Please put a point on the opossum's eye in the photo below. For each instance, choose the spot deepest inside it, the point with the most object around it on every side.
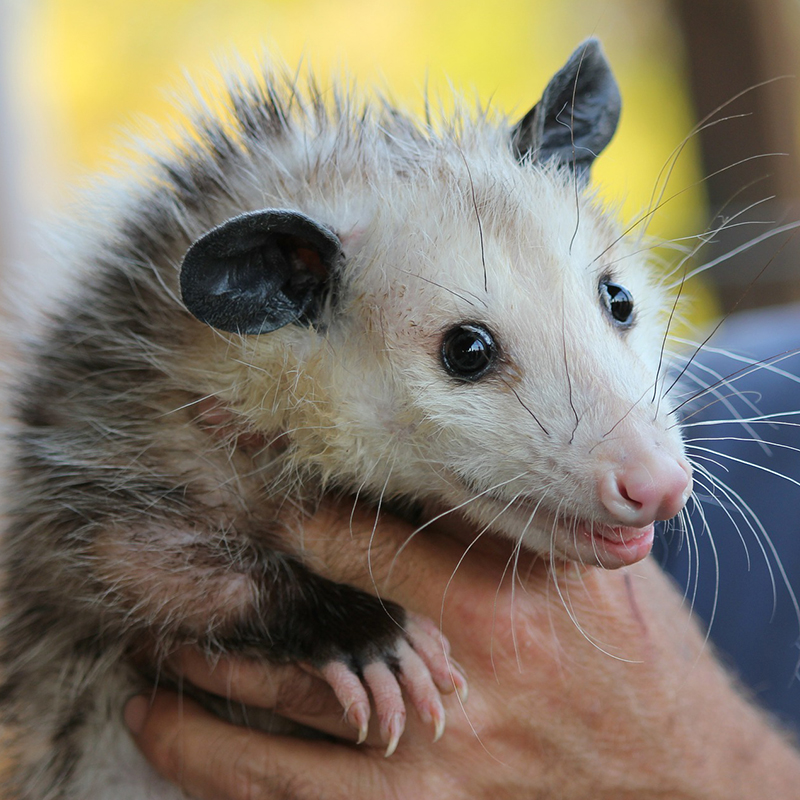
(618, 302)
(468, 351)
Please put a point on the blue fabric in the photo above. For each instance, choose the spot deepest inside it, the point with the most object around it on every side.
(755, 629)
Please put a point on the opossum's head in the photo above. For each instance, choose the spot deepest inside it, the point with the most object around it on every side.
(483, 336)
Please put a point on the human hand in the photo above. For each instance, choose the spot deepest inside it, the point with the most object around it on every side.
(583, 683)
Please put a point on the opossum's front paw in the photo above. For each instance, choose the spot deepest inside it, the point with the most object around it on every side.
(415, 663)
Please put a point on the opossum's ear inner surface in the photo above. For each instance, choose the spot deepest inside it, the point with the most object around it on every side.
(577, 115)
(260, 271)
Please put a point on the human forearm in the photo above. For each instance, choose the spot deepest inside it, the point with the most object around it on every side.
(582, 684)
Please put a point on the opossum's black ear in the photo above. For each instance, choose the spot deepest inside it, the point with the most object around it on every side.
(577, 115)
(260, 271)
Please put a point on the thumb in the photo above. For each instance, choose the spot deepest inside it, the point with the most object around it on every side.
(213, 760)
(412, 565)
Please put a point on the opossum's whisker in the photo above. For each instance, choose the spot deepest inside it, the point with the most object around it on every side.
(672, 197)
(762, 538)
(684, 531)
(447, 511)
(460, 561)
(693, 547)
(719, 384)
(478, 218)
(701, 125)
(566, 365)
(707, 530)
(748, 369)
(751, 520)
(764, 419)
(622, 418)
(744, 461)
(355, 506)
(671, 163)
(683, 422)
(571, 128)
(535, 418)
(569, 608)
(565, 599)
(750, 515)
(594, 541)
(726, 224)
(778, 445)
(733, 308)
(751, 365)
(706, 459)
(742, 248)
(683, 266)
(666, 335)
(494, 615)
(500, 582)
(522, 582)
(675, 244)
(445, 288)
(713, 486)
(370, 568)
(725, 400)
(515, 554)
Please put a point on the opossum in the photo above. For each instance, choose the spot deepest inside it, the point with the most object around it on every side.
(305, 297)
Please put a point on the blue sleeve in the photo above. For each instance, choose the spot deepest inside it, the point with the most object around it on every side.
(737, 568)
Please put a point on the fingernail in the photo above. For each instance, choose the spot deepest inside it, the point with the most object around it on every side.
(135, 713)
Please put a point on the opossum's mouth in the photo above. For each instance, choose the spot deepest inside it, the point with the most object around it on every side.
(614, 546)
(608, 546)
(591, 542)
(552, 533)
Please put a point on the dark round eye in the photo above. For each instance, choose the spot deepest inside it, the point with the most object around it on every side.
(618, 302)
(468, 351)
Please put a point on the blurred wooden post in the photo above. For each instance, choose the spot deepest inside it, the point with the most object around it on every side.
(732, 45)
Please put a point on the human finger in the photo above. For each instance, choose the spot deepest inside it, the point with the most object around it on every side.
(213, 760)
(287, 689)
(415, 566)
(309, 697)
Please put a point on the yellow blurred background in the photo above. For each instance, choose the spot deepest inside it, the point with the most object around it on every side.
(84, 71)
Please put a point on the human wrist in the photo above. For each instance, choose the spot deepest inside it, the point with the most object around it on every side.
(746, 753)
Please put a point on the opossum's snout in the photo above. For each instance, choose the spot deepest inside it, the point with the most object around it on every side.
(646, 489)
(636, 493)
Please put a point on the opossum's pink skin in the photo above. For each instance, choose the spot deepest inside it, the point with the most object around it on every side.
(617, 547)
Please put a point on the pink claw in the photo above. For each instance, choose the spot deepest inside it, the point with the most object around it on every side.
(420, 672)
(352, 695)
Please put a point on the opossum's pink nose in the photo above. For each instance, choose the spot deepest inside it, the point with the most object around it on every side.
(646, 490)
